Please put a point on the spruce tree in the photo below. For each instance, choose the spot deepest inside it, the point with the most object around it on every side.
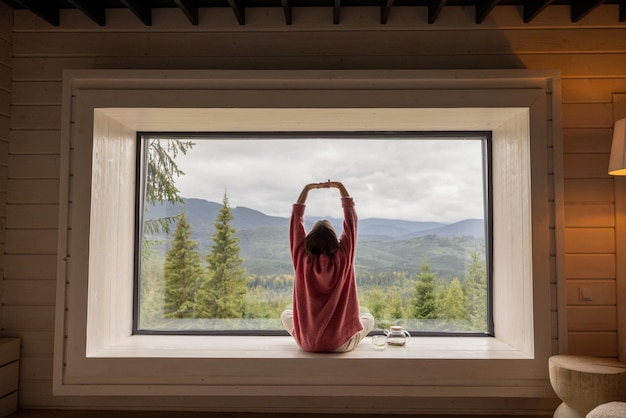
(475, 285)
(183, 271)
(425, 297)
(453, 302)
(223, 292)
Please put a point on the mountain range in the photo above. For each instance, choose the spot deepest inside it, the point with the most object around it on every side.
(383, 244)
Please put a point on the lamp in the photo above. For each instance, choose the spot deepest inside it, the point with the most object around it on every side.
(617, 163)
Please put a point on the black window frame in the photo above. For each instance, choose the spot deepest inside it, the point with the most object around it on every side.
(484, 136)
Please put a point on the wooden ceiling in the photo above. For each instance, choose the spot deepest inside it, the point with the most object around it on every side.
(95, 9)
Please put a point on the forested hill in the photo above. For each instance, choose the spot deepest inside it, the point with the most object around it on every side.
(201, 214)
(384, 244)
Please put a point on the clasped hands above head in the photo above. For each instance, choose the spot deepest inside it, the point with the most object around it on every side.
(323, 185)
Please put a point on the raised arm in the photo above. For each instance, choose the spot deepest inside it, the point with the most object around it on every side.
(350, 220)
(305, 191)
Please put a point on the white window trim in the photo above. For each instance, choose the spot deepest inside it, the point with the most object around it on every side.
(95, 352)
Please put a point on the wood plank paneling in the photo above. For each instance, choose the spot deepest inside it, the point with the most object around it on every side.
(579, 65)
(589, 90)
(587, 115)
(34, 166)
(6, 51)
(30, 318)
(583, 190)
(589, 240)
(601, 344)
(32, 216)
(4, 125)
(587, 140)
(590, 266)
(3, 184)
(363, 42)
(6, 75)
(6, 25)
(35, 142)
(29, 292)
(34, 343)
(28, 68)
(31, 241)
(40, 92)
(585, 165)
(592, 318)
(36, 117)
(36, 368)
(4, 155)
(31, 266)
(28, 191)
(589, 215)
(5, 102)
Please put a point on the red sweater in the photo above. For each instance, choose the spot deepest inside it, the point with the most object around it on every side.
(325, 301)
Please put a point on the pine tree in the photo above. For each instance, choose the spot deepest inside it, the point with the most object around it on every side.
(453, 302)
(223, 292)
(425, 297)
(375, 302)
(183, 271)
(161, 171)
(475, 284)
(396, 310)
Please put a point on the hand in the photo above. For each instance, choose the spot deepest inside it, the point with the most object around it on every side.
(339, 186)
(325, 185)
(305, 191)
(312, 186)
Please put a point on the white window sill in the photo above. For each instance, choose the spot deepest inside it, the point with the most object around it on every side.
(151, 346)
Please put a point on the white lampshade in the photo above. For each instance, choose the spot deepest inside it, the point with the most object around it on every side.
(617, 163)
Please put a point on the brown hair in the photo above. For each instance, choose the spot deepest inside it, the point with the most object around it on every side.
(322, 239)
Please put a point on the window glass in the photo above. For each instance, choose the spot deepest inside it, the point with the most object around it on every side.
(213, 243)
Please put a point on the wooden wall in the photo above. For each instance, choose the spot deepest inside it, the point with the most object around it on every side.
(591, 55)
(6, 49)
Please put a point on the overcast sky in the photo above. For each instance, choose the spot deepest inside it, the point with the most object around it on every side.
(410, 179)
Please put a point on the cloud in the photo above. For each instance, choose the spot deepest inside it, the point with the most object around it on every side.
(405, 178)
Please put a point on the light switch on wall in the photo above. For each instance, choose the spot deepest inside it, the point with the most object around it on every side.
(586, 294)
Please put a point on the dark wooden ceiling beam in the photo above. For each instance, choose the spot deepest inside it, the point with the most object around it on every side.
(287, 12)
(533, 7)
(190, 9)
(434, 8)
(580, 8)
(385, 9)
(93, 10)
(43, 9)
(483, 8)
(141, 9)
(239, 10)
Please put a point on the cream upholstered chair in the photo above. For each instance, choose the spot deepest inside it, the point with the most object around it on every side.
(584, 382)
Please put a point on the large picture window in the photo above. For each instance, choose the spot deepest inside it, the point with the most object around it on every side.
(213, 210)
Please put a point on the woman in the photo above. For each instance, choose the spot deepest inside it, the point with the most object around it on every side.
(326, 314)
